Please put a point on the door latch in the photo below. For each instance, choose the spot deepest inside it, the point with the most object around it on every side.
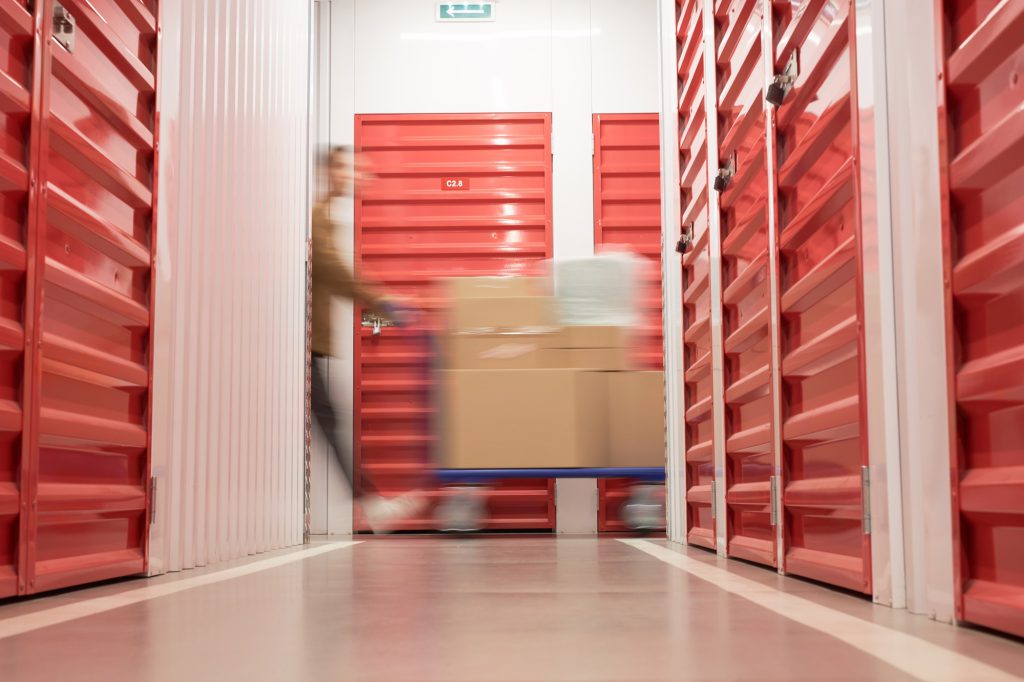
(725, 174)
(63, 27)
(782, 83)
(865, 491)
(685, 242)
(375, 322)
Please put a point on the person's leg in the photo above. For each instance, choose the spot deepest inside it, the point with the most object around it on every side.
(327, 418)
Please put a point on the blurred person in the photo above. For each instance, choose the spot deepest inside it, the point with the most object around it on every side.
(332, 278)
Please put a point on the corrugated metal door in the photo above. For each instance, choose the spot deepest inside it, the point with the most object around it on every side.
(983, 109)
(18, 80)
(78, 161)
(627, 214)
(693, 185)
(418, 223)
(90, 365)
(822, 345)
(746, 302)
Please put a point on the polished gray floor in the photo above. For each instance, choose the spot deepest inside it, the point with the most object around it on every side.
(511, 608)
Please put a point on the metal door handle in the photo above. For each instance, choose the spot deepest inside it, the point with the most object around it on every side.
(63, 27)
(375, 322)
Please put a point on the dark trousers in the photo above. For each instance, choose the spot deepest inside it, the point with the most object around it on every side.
(327, 419)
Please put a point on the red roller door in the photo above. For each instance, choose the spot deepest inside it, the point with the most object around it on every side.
(627, 214)
(18, 81)
(983, 231)
(77, 290)
(412, 227)
(93, 274)
(746, 294)
(822, 345)
(699, 421)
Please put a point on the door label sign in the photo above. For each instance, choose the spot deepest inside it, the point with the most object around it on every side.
(454, 184)
(465, 11)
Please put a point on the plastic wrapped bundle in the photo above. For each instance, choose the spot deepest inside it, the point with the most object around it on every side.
(600, 290)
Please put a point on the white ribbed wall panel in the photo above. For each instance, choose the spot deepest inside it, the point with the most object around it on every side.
(230, 296)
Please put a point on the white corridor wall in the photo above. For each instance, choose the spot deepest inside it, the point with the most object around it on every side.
(233, 202)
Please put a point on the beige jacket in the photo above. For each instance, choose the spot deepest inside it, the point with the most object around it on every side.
(332, 278)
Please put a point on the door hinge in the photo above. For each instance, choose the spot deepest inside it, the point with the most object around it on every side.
(593, 145)
(865, 491)
(63, 27)
(152, 500)
(773, 500)
(714, 499)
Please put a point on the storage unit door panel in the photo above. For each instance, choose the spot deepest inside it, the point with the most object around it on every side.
(984, 239)
(693, 155)
(746, 304)
(627, 215)
(17, 77)
(410, 230)
(823, 411)
(92, 352)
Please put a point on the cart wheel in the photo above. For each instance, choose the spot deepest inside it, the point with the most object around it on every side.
(645, 510)
(462, 510)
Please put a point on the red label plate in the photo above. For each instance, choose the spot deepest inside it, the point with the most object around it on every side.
(454, 184)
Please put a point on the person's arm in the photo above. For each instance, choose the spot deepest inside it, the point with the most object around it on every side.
(330, 268)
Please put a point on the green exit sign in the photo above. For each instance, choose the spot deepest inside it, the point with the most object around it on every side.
(465, 11)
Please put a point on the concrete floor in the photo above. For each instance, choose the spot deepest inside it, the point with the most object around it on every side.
(512, 608)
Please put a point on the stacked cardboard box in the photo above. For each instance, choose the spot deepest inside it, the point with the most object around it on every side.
(521, 392)
(592, 347)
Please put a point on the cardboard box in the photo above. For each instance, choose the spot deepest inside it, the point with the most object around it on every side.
(521, 312)
(594, 337)
(527, 418)
(496, 287)
(636, 419)
(496, 351)
(607, 359)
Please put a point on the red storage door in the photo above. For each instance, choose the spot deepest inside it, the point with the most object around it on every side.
(823, 408)
(746, 294)
(698, 419)
(984, 243)
(454, 195)
(16, 86)
(627, 214)
(90, 367)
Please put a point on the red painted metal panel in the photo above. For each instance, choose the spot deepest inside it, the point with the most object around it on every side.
(18, 82)
(820, 289)
(88, 365)
(982, 131)
(409, 231)
(693, 186)
(746, 300)
(627, 215)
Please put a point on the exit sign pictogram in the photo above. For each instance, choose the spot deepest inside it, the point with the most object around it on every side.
(465, 11)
